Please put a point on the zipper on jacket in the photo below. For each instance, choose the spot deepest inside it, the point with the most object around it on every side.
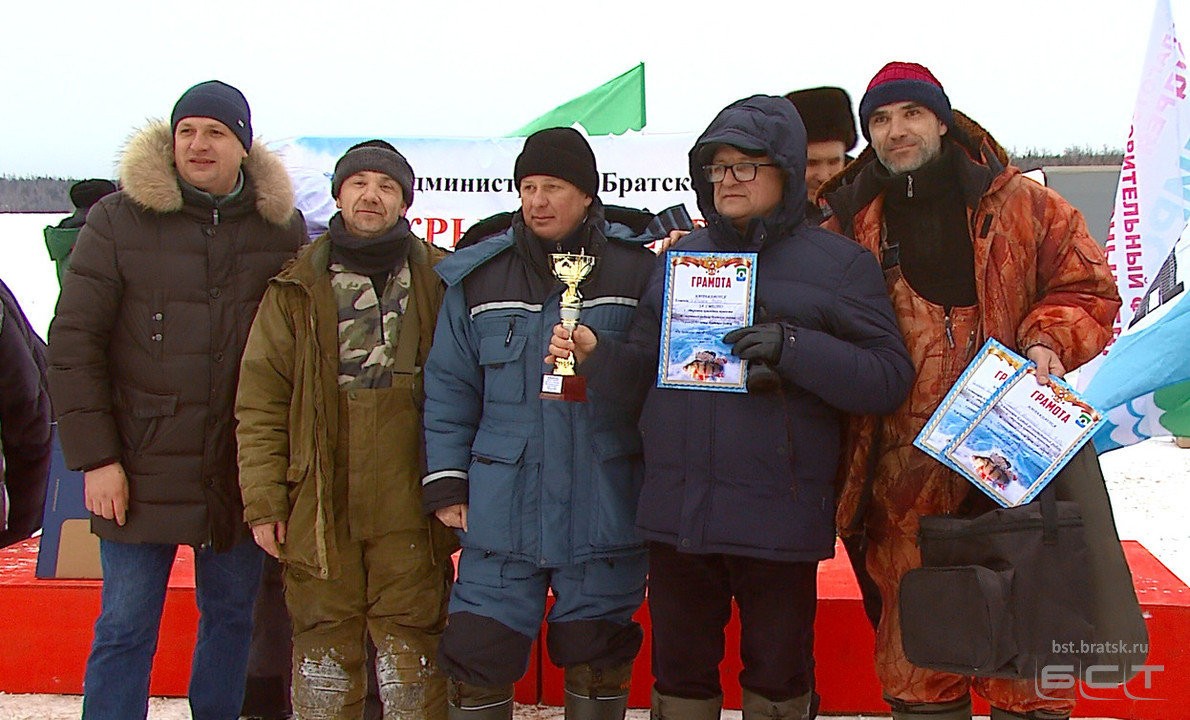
(949, 328)
(508, 337)
(215, 215)
(909, 186)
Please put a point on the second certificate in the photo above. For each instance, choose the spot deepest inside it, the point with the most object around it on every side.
(707, 295)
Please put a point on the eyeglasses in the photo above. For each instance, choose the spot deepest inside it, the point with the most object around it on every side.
(742, 171)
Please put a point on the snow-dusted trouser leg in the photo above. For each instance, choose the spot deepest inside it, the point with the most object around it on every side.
(411, 686)
(390, 588)
(324, 686)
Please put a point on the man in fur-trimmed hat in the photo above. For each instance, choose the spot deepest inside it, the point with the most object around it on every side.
(971, 250)
(543, 490)
(331, 448)
(830, 136)
(144, 354)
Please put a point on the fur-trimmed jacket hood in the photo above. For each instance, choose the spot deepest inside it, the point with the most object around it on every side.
(145, 346)
(148, 176)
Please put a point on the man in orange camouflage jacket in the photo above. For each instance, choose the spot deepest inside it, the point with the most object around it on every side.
(971, 249)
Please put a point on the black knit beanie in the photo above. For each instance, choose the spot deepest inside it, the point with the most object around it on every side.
(562, 153)
(905, 82)
(377, 156)
(218, 100)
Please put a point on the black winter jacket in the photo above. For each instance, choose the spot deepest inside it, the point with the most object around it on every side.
(24, 423)
(146, 342)
(752, 474)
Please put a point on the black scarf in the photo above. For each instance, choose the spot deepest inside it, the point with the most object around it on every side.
(378, 256)
(926, 216)
(586, 237)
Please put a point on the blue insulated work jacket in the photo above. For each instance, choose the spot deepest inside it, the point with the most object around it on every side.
(547, 481)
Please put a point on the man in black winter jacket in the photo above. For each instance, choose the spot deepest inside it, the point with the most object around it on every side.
(143, 362)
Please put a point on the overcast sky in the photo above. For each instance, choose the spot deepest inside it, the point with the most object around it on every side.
(76, 76)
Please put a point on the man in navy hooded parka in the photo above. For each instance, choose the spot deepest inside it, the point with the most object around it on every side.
(738, 498)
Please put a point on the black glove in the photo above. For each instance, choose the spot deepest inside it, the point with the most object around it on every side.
(758, 342)
(762, 378)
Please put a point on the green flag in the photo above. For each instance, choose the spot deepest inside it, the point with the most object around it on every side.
(1175, 401)
(613, 107)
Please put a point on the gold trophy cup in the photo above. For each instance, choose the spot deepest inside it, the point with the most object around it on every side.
(570, 269)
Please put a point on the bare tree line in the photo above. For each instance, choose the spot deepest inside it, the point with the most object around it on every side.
(35, 194)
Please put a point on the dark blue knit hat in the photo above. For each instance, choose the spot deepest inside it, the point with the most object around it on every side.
(218, 100)
(904, 82)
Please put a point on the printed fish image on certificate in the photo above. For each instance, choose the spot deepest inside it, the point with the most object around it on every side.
(992, 366)
(707, 295)
(1022, 437)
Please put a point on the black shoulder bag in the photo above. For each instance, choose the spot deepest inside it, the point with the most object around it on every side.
(1002, 594)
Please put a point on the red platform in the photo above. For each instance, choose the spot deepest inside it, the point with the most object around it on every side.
(46, 635)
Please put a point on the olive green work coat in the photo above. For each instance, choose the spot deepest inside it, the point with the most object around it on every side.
(288, 407)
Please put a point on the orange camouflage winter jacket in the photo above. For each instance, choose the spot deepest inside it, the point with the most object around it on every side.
(1039, 275)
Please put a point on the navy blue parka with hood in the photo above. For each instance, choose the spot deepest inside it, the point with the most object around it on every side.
(752, 474)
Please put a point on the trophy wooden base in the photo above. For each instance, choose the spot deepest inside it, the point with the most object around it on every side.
(571, 388)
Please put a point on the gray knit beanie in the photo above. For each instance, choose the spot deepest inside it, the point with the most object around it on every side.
(377, 156)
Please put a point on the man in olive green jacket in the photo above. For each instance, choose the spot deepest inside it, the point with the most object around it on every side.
(331, 449)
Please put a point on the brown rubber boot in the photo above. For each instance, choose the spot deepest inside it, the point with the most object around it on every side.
(668, 707)
(476, 702)
(756, 707)
(595, 694)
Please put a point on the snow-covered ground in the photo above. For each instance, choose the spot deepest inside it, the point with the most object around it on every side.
(1149, 483)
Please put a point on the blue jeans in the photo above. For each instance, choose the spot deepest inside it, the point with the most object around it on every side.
(135, 576)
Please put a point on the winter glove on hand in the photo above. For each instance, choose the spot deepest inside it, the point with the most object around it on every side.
(758, 342)
(762, 378)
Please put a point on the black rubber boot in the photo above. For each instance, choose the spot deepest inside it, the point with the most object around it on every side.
(474, 702)
(954, 710)
(757, 707)
(668, 707)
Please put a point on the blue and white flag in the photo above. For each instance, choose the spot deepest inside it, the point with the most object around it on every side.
(1150, 349)
(1144, 377)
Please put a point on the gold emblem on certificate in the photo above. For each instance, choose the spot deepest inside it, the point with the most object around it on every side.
(570, 269)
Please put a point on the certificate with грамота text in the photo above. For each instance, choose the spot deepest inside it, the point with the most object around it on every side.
(707, 295)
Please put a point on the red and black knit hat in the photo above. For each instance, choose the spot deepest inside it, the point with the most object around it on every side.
(904, 82)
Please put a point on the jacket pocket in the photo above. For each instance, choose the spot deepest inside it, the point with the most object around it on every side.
(958, 618)
(482, 569)
(619, 476)
(140, 416)
(504, 373)
(495, 492)
(619, 577)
